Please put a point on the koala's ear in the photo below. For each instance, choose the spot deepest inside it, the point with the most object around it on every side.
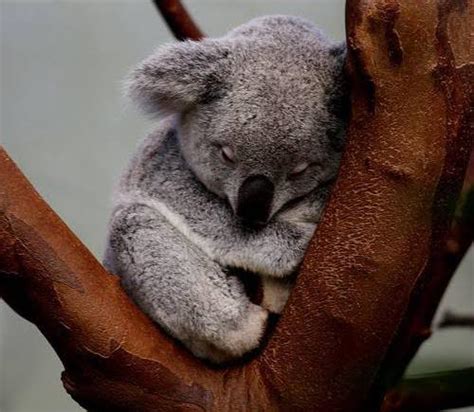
(179, 75)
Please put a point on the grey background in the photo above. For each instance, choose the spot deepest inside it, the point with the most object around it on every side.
(64, 121)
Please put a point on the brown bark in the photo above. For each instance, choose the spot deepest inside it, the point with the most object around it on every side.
(178, 19)
(454, 76)
(411, 130)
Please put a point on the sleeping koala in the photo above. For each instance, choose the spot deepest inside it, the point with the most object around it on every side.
(235, 176)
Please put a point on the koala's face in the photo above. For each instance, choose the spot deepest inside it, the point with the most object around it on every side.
(260, 122)
(266, 143)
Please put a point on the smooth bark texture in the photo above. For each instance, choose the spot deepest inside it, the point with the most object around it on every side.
(411, 67)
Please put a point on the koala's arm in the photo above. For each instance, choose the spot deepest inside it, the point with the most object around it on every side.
(275, 254)
(275, 251)
(181, 288)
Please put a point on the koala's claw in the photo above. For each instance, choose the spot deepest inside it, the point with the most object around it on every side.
(236, 342)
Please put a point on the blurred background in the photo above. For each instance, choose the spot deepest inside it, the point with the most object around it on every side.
(64, 122)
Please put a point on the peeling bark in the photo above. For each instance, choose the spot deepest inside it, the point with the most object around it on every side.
(365, 272)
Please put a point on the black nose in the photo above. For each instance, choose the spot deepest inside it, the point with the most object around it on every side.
(255, 200)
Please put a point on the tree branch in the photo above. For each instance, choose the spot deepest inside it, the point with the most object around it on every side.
(178, 19)
(456, 320)
(461, 234)
(432, 393)
(400, 170)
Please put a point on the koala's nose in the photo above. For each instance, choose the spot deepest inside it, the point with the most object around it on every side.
(255, 200)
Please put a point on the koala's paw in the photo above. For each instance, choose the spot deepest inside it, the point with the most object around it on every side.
(249, 334)
(234, 343)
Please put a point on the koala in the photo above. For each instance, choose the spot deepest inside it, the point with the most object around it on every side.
(248, 142)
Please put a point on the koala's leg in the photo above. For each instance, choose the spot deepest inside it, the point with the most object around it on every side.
(181, 288)
(275, 293)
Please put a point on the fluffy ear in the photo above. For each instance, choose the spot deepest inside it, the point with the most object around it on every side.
(179, 75)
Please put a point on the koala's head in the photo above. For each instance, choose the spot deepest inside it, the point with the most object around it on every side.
(261, 110)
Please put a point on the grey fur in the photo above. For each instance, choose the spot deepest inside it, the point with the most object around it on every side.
(272, 91)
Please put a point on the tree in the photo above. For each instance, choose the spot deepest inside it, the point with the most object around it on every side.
(373, 274)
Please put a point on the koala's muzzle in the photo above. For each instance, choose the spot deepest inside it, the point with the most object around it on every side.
(255, 200)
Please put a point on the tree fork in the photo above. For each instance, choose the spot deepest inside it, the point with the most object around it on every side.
(364, 269)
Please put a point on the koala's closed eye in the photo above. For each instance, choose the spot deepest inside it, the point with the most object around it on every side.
(300, 169)
(226, 153)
